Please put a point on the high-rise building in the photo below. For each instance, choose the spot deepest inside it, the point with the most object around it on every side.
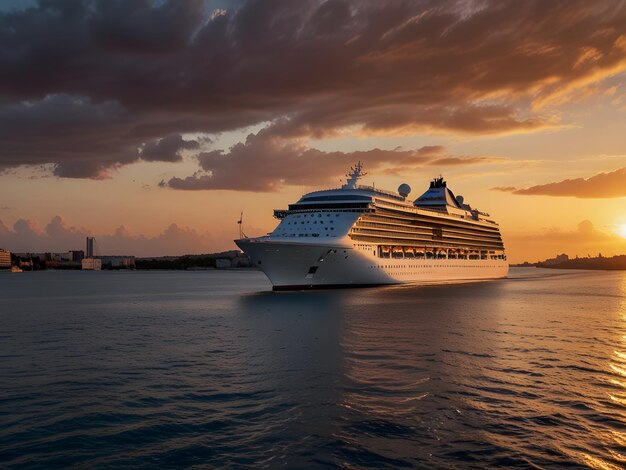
(89, 253)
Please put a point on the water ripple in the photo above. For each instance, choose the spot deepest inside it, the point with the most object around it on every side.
(178, 370)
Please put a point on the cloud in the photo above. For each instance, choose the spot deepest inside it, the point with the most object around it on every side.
(455, 161)
(86, 85)
(600, 186)
(82, 138)
(267, 163)
(58, 236)
(167, 149)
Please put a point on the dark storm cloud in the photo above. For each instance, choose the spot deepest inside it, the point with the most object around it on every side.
(294, 163)
(602, 185)
(87, 84)
(83, 138)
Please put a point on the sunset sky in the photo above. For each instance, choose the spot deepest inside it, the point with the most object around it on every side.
(153, 124)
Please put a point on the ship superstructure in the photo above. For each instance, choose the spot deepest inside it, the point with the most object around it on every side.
(362, 236)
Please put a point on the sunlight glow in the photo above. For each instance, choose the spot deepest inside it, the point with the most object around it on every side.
(622, 230)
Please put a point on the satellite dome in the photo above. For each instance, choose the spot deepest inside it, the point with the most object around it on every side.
(460, 199)
(404, 190)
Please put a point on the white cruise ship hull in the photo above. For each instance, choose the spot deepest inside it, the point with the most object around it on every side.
(303, 265)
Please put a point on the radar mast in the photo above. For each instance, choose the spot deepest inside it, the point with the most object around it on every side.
(356, 173)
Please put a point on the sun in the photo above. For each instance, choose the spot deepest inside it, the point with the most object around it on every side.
(622, 230)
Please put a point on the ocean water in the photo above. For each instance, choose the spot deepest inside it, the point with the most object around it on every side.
(213, 370)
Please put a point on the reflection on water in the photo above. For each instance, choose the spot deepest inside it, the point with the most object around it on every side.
(184, 369)
(615, 440)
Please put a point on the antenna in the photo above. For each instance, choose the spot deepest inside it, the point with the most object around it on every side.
(240, 222)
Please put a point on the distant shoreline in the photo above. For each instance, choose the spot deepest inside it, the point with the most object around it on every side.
(227, 260)
(598, 263)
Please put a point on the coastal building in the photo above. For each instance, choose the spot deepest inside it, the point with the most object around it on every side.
(90, 241)
(5, 259)
(77, 255)
(62, 257)
(49, 260)
(26, 264)
(91, 264)
(118, 262)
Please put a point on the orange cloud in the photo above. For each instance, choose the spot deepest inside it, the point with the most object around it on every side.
(267, 163)
(602, 185)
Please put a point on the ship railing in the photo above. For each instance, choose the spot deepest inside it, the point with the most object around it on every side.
(422, 241)
(364, 225)
(417, 210)
(381, 191)
(368, 188)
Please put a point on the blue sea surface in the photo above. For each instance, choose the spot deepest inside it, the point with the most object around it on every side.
(210, 369)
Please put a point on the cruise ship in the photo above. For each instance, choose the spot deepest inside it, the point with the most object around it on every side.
(360, 235)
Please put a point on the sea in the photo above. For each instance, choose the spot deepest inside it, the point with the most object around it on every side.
(211, 369)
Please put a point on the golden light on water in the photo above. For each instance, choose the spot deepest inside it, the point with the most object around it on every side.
(597, 463)
(619, 370)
